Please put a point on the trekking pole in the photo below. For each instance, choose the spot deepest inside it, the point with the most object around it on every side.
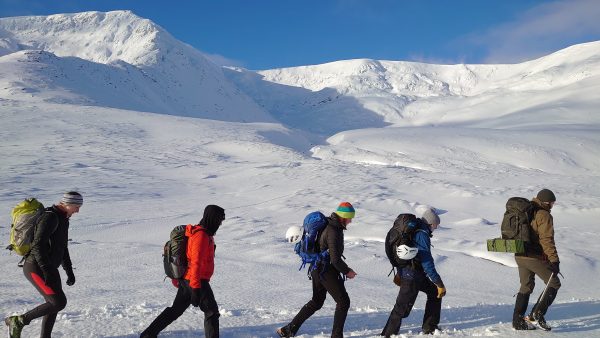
(543, 293)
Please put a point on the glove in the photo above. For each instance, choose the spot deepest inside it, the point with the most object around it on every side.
(441, 289)
(175, 282)
(70, 276)
(555, 267)
(397, 279)
(196, 297)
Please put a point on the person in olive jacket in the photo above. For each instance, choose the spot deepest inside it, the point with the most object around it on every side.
(541, 259)
(328, 278)
(194, 288)
(48, 251)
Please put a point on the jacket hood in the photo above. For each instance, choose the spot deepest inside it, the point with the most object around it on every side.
(424, 226)
(212, 218)
(334, 220)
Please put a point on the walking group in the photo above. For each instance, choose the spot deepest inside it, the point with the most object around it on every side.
(407, 246)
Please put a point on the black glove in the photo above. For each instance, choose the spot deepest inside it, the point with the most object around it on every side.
(555, 267)
(70, 276)
(196, 297)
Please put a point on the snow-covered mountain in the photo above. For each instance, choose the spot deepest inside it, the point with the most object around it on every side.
(75, 95)
(371, 93)
(120, 60)
(115, 59)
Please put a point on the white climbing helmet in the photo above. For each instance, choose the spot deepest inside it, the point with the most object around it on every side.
(294, 234)
(406, 252)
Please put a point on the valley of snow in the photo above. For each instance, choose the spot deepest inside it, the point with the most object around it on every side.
(149, 131)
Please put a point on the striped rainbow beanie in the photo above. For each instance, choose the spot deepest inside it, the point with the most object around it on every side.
(345, 210)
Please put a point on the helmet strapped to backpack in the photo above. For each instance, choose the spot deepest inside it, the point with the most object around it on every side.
(308, 247)
(400, 247)
(406, 252)
(294, 234)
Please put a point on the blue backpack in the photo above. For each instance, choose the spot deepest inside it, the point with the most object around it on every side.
(308, 248)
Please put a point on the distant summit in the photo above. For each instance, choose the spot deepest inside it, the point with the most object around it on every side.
(118, 59)
(371, 93)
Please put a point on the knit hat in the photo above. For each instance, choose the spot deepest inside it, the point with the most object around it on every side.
(546, 195)
(345, 210)
(430, 217)
(72, 197)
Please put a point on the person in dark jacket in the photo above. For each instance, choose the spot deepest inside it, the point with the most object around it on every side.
(49, 250)
(422, 276)
(541, 259)
(194, 288)
(328, 278)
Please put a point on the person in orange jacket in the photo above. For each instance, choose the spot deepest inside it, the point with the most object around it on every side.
(194, 288)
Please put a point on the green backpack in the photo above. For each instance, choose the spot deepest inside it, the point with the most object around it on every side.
(515, 227)
(25, 217)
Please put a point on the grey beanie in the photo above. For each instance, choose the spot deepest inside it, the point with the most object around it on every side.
(72, 197)
(430, 217)
(546, 195)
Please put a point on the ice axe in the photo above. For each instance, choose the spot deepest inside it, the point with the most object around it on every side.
(543, 293)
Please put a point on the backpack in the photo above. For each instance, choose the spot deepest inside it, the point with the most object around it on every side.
(402, 233)
(308, 247)
(175, 253)
(25, 216)
(516, 223)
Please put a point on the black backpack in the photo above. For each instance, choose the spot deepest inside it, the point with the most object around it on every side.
(402, 232)
(175, 253)
(516, 223)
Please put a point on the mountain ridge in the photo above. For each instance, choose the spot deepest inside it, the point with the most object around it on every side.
(140, 66)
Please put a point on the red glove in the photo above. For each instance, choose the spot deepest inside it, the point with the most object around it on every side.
(175, 282)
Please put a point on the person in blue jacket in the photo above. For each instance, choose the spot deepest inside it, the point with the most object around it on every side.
(419, 275)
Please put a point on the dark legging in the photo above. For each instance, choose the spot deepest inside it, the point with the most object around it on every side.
(409, 288)
(331, 282)
(52, 292)
(182, 301)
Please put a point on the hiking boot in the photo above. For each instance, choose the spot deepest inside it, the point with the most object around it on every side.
(541, 321)
(431, 330)
(15, 326)
(519, 323)
(285, 331)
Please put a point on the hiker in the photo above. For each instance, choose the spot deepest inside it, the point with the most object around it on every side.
(541, 259)
(48, 251)
(418, 274)
(194, 287)
(328, 277)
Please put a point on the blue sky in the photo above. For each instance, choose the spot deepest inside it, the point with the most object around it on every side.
(266, 34)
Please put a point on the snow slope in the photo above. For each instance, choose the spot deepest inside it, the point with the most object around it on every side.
(143, 173)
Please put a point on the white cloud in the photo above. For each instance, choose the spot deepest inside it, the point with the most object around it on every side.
(541, 30)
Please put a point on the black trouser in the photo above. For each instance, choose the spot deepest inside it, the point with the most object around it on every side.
(52, 292)
(331, 282)
(182, 301)
(413, 282)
